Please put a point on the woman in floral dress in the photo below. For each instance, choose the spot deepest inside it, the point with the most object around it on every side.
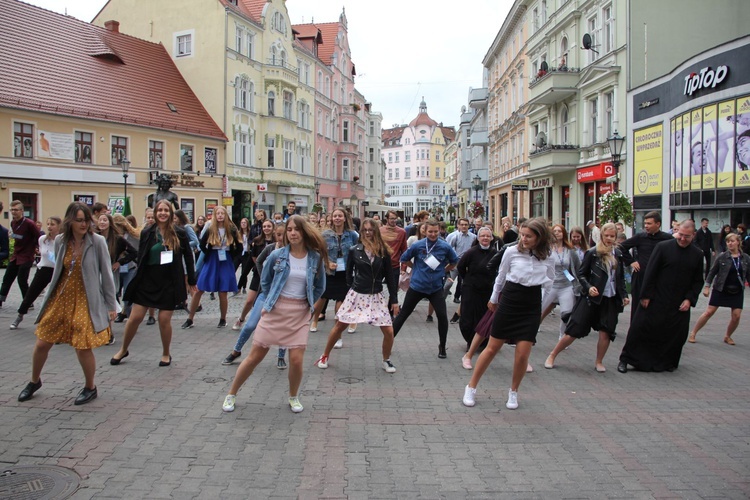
(80, 303)
(368, 264)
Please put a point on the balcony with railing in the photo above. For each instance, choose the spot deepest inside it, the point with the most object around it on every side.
(276, 69)
(553, 85)
(478, 98)
(554, 157)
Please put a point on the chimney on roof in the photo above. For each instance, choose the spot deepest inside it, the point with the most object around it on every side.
(112, 25)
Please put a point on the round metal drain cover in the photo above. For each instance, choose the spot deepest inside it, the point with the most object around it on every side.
(350, 380)
(214, 380)
(37, 482)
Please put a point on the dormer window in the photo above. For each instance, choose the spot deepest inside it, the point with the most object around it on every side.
(278, 22)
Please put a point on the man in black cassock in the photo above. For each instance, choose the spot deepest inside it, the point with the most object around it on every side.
(671, 285)
(643, 243)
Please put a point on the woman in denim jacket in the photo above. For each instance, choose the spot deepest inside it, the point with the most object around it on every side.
(293, 279)
(339, 239)
(730, 272)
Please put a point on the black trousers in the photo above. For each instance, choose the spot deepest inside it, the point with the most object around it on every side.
(42, 278)
(410, 302)
(11, 273)
(247, 266)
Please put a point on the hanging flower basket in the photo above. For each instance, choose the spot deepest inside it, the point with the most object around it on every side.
(451, 209)
(317, 207)
(476, 209)
(616, 206)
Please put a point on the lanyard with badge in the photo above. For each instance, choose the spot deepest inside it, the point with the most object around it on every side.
(166, 256)
(223, 250)
(430, 259)
(340, 263)
(738, 267)
(561, 258)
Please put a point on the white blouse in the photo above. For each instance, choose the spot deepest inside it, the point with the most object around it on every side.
(524, 269)
(46, 251)
(296, 283)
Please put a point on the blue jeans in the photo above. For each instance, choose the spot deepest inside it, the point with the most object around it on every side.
(251, 322)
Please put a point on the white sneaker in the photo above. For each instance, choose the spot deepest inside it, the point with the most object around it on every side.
(229, 403)
(352, 328)
(470, 396)
(237, 325)
(512, 403)
(339, 344)
(295, 405)
(323, 362)
(388, 366)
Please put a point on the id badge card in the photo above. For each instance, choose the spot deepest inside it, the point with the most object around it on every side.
(432, 262)
(568, 275)
(340, 264)
(51, 256)
(166, 257)
(222, 255)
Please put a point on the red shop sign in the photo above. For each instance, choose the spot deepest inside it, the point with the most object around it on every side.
(595, 173)
(566, 192)
(590, 191)
(605, 188)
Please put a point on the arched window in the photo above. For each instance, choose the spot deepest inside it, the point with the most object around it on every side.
(563, 63)
(283, 57)
(274, 55)
(320, 164)
(271, 103)
(327, 170)
(242, 92)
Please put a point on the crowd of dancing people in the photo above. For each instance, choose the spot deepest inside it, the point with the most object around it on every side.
(291, 269)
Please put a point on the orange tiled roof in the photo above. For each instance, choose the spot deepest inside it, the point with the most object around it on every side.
(328, 32)
(253, 7)
(57, 64)
(423, 119)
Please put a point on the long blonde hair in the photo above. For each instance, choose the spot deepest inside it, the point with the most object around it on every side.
(125, 227)
(605, 252)
(214, 238)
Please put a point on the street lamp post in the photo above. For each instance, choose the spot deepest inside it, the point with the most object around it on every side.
(317, 191)
(125, 164)
(452, 194)
(477, 187)
(616, 144)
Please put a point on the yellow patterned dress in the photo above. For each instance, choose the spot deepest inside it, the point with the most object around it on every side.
(66, 317)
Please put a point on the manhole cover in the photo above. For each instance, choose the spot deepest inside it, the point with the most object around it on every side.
(350, 380)
(214, 380)
(36, 482)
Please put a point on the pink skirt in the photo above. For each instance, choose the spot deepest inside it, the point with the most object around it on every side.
(365, 308)
(286, 325)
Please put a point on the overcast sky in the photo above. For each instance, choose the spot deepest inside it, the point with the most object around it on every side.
(403, 50)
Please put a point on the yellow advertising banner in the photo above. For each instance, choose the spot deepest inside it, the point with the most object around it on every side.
(673, 185)
(648, 159)
(742, 134)
(725, 146)
(696, 150)
(709, 146)
(685, 155)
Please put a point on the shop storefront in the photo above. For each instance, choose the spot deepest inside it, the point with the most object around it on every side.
(540, 197)
(691, 139)
(594, 183)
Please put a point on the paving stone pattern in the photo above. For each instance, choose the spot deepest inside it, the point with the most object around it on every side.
(160, 432)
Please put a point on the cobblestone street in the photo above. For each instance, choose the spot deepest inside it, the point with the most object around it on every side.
(160, 432)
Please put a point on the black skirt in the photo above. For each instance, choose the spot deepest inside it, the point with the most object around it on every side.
(255, 281)
(602, 318)
(157, 289)
(336, 288)
(724, 299)
(518, 314)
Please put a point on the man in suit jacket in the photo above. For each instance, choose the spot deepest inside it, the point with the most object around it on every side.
(704, 240)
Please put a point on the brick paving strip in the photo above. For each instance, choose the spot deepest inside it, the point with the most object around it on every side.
(160, 432)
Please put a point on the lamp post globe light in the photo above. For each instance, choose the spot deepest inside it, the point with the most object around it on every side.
(477, 187)
(125, 165)
(452, 194)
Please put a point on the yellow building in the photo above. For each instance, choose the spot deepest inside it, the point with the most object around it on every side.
(93, 100)
(254, 78)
